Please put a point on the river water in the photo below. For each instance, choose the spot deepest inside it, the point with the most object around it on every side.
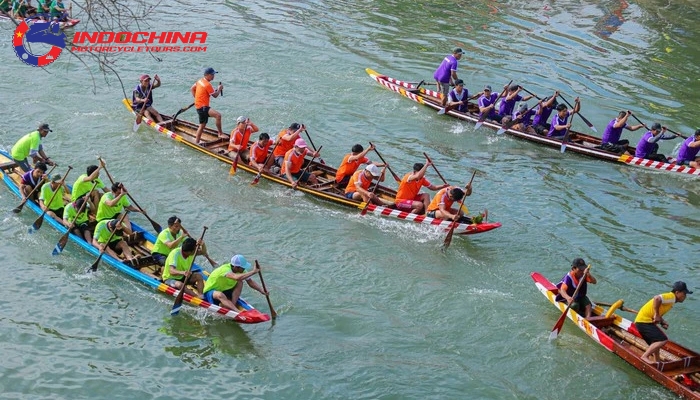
(369, 307)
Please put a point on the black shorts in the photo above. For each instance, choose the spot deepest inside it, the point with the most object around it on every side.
(541, 129)
(113, 245)
(651, 333)
(81, 229)
(203, 114)
(59, 212)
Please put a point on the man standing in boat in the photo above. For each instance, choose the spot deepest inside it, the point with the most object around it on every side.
(688, 154)
(447, 73)
(225, 283)
(648, 144)
(568, 284)
(30, 145)
(651, 315)
(611, 137)
(408, 196)
(201, 91)
(142, 97)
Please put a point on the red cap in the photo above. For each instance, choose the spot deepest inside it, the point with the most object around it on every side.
(144, 77)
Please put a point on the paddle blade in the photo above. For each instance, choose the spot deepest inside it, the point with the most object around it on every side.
(364, 209)
(93, 267)
(156, 226)
(501, 131)
(448, 238)
(557, 327)
(176, 309)
(563, 148)
(178, 302)
(441, 111)
(255, 180)
(18, 209)
(136, 125)
(593, 128)
(478, 125)
(60, 245)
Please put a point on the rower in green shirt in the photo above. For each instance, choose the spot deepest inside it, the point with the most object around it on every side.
(224, 284)
(58, 10)
(168, 240)
(84, 183)
(53, 205)
(114, 246)
(113, 203)
(178, 265)
(82, 222)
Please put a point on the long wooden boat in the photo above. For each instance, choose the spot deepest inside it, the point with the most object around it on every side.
(69, 23)
(145, 271)
(679, 369)
(184, 132)
(580, 143)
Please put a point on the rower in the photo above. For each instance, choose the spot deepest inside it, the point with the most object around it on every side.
(285, 142)
(58, 11)
(294, 160)
(54, 204)
(83, 184)
(512, 97)
(113, 203)
(351, 162)
(542, 112)
(560, 121)
(142, 97)
(648, 144)
(408, 197)
(240, 136)
(569, 284)
(30, 179)
(611, 137)
(30, 145)
(260, 151)
(487, 104)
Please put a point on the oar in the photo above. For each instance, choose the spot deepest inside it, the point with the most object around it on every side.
(212, 262)
(267, 159)
(94, 265)
(483, 116)
(396, 177)
(677, 134)
(139, 116)
(374, 189)
(222, 90)
(453, 225)
(435, 168)
(313, 145)
(566, 136)
(587, 122)
(234, 164)
(64, 239)
(37, 224)
(623, 308)
(307, 167)
(514, 121)
(560, 321)
(273, 314)
(154, 224)
(530, 93)
(178, 300)
(182, 110)
(18, 209)
(638, 120)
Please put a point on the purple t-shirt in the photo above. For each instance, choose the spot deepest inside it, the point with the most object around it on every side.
(507, 106)
(571, 288)
(454, 96)
(644, 148)
(612, 134)
(687, 153)
(541, 119)
(526, 118)
(556, 120)
(28, 179)
(444, 71)
(487, 101)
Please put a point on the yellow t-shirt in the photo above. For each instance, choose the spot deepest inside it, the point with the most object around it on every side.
(646, 313)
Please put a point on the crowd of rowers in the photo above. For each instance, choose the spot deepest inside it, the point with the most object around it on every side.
(535, 120)
(99, 215)
(47, 10)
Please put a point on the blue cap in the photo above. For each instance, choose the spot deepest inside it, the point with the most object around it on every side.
(240, 261)
(210, 70)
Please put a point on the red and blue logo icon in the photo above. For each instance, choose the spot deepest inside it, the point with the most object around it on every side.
(43, 34)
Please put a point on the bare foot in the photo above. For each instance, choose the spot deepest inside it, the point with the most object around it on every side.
(648, 361)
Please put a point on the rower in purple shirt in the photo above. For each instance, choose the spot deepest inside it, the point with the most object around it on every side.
(523, 117)
(560, 123)
(513, 96)
(459, 97)
(611, 137)
(487, 103)
(447, 72)
(648, 145)
(688, 154)
(542, 113)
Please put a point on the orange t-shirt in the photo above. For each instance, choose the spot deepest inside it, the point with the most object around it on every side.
(283, 146)
(297, 161)
(259, 154)
(358, 176)
(441, 197)
(202, 91)
(348, 168)
(239, 137)
(409, 190)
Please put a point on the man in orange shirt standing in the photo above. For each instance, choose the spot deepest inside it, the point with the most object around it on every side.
(294, 160)
(240, 136)
(201, 90)
(351, 162)
(408, 197)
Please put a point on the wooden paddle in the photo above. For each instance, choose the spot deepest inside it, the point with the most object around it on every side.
(435, 168)
(453, 225)
(154, 224)
(313, 145)
(139, 116)
(560, 322)
(587, 122)
(64, 239)
(94, 265)
(178, 300)
(307, 168)
(396, 177)
(39, 221)
(565, 139)
(182, 110)
(267, 159)
(18, 209)
(234, 164)
(483, 115)
(374, 189)
(222, 90)
(273, 314)
(212, 262)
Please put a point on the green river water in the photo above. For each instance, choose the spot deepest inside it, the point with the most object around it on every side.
(369, 307)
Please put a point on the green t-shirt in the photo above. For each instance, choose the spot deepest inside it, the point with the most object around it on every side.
(102, 233)
(46, 194)
(218, 280)
(105, 211)
(54, 11)
(70, 211)
(164, 236)
(26, 145)
(176, 259)
(80, 187)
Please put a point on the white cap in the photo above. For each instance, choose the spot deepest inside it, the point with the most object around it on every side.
(241, 119)
(373, 169)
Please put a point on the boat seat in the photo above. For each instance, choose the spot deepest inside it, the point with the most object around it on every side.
(686, 365)
(141, 262)
(135, 238)
(6, 166)
(601, 321)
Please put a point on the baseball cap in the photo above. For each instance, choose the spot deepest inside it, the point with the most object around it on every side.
(578, 263)
(294, 126)
(209, 71)
(680, 286)
(487, 87)
(458, 50)
(240, 261)
(373, 169)
(523, 107)
(144, 77)
(459, 82)
(300, 143)
(56, 178)
(112, 224)
(241, 119)
(655, 126)
(45, 126)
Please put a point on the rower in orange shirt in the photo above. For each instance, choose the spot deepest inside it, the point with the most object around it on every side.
(285, 142)
(358, 187)
(259, 151)
(441, 205)
(351, 162)
(240, 136)
(408, 196)
(294, 160)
